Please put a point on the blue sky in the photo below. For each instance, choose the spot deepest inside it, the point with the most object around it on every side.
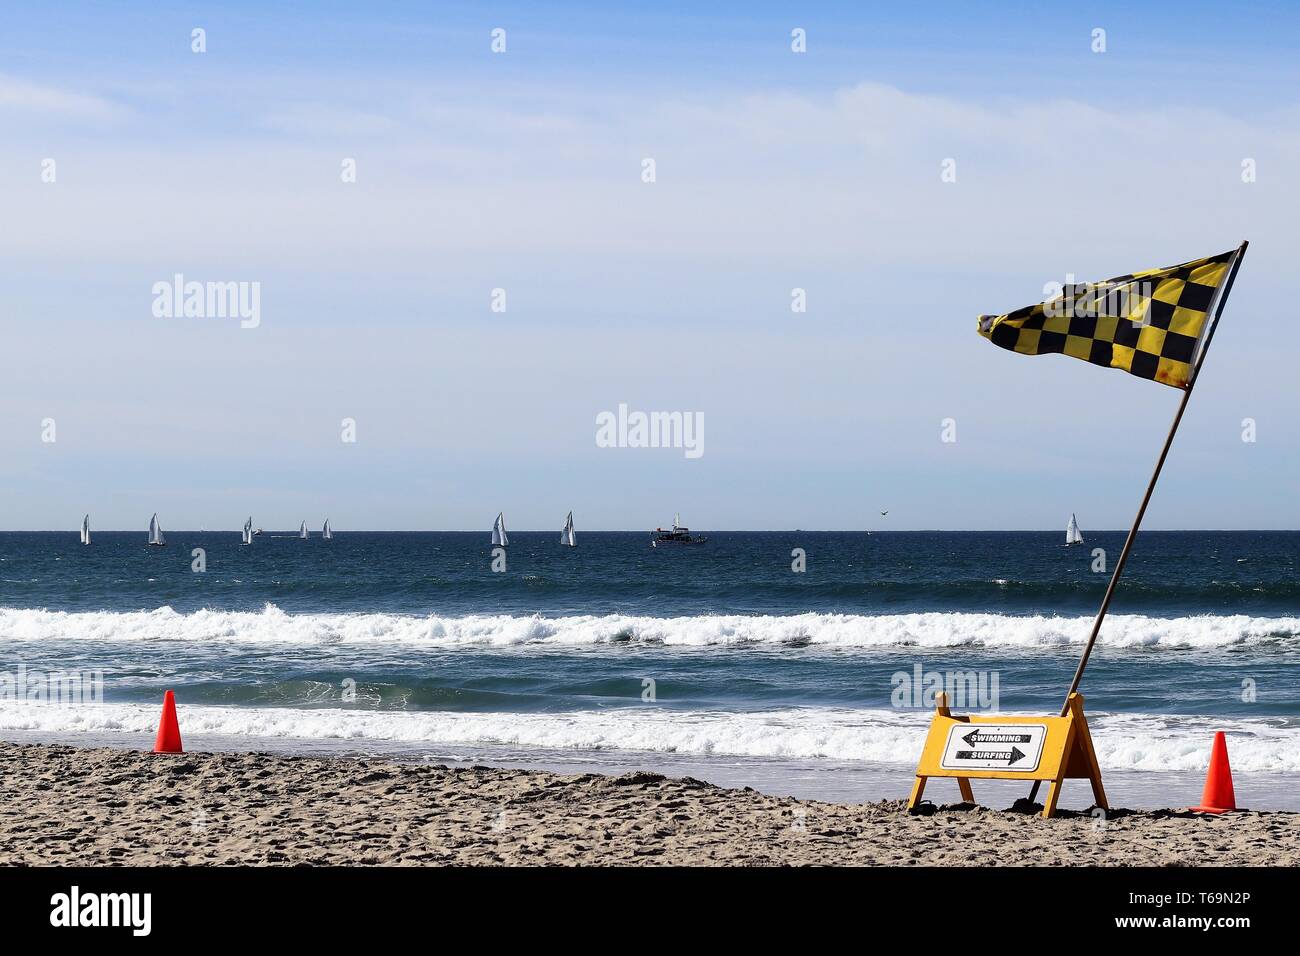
(522, 171)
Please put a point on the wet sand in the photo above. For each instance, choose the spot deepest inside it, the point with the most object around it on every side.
(62, 805)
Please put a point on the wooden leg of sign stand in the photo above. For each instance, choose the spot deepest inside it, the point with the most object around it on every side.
(1054, 785)
(1098, 794)
(963, 783)
(918, 789)
(1053, 794)
(1080, 760)
(1085, 740)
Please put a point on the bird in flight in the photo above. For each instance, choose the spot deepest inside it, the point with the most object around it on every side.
(883, 513)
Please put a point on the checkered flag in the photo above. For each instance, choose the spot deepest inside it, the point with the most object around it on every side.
(1150, 324)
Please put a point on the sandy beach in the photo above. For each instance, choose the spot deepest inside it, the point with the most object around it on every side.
(66, 805)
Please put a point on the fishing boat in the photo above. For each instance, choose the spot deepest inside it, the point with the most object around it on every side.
(247, 536)
(156, 538)
(302, 530)
(499, 531)
(85, 530)
(1072, 533)
(326, 533)
(566, 535)
(678, 534)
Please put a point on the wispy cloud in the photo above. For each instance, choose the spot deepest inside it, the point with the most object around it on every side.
(314, 120)
(20, 96)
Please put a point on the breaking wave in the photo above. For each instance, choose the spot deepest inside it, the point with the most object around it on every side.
(847, 631)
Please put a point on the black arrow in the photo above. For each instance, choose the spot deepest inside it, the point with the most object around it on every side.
(1010, 757)
(987, 737)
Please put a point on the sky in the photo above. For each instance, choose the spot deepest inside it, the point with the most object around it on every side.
(523, 171)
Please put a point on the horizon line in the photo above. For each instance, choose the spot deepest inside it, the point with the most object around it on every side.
(294, 532)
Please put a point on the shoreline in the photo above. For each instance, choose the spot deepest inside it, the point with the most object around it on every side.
(95, 806)
(817, 779)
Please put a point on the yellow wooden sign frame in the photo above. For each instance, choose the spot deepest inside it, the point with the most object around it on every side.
(1067, 754)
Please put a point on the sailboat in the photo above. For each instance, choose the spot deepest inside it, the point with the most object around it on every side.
(156, 538)
(85, 530)
(326, 533)
(499, 531)
(248, 531)
(302, 530)
(566, 536)
(1072, 533)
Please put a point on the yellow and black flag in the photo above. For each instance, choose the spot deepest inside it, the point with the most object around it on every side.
(1150, 324)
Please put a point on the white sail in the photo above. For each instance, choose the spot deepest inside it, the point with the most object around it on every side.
(566, 536)
(326, 533)
(499, 531)
(248, 530)
(302, 530)
(85, 530)
(156, 532)
(1072, 533)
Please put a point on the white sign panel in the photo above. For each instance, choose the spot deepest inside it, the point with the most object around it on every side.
(994, 747)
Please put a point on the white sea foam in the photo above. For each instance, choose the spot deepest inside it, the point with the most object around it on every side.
(847, 631)
(1123, 741)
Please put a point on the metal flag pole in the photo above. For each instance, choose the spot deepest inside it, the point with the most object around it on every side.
(1146, 498)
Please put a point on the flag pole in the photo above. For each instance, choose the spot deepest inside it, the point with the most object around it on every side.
(1146, 498)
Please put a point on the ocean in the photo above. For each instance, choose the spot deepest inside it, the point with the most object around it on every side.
(716, 660)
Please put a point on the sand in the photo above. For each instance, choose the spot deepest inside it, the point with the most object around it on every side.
(64, 805)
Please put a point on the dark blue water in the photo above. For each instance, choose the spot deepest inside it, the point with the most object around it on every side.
(1170, 573)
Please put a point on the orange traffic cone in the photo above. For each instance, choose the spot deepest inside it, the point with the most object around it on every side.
(168, 740)
(1218, 796)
